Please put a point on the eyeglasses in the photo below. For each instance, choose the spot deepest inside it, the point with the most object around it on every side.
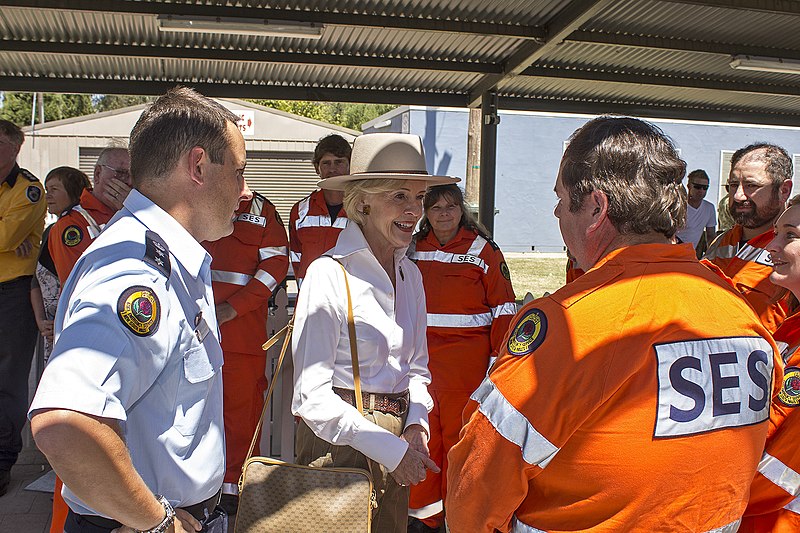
(118, 172)
(749, 188)
(699, 187)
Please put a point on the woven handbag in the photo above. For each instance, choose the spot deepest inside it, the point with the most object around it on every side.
(275, 496)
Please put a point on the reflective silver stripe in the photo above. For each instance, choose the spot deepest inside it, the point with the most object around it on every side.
(265, 278)
(477, 246)
(295, 257)
(427, 511)
(793, 506)
(754, 255)
(318, 221)
(234, 278)
(518, 526)
(230, 488)
(459, 321)
(93, 228)
(447, 257)
(721, 252)
(272, 251)
(302, 208)
(733, 527)
(509, 308)
(780, 474)
(512, 425)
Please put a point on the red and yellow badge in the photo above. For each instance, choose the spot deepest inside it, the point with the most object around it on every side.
(790, 392)
(72, 236)
(529, 332)
(139, 310)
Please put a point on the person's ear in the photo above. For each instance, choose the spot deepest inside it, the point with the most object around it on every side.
(598, 207)
(786, 190)
(196, 162)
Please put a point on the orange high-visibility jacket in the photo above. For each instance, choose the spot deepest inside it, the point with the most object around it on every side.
(619, 404)
(749, 267)
(775, 495)
(246, 268)
(311, 232)
(74, 232)
(470, 304)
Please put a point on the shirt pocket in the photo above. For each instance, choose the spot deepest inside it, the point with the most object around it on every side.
(194, 387)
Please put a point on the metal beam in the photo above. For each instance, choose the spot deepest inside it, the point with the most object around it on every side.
(665, 80)
(651, 110)
(218, 54)
(489, 121)
(779, 7)
(231, 90)
(323, 17)
(565, 22)
(680, 45)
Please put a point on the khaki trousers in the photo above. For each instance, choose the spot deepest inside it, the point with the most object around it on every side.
(392, 512)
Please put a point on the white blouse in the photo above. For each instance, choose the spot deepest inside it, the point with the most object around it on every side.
(392, 347)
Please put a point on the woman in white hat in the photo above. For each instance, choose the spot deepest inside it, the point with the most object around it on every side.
(383, 198)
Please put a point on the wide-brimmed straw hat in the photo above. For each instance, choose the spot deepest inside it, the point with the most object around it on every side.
(386, 155)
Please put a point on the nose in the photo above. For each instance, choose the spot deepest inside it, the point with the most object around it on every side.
(414, 207)
(738, 193)
(773, 245)
(246, 193)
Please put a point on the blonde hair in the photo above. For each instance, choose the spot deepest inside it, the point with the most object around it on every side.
(355, 190)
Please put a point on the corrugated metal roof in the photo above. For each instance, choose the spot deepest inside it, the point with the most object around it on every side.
(654, 57)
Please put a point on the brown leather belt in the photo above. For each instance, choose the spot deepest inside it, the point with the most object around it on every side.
(395, 404)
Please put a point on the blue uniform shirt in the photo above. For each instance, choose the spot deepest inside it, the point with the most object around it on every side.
(137, 341)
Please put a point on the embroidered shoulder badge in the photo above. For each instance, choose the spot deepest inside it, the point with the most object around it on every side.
(504, 271)
(156, 253)
(72, 236)
(790, 392)
(33, 193)
(529, 332)
(139, 310)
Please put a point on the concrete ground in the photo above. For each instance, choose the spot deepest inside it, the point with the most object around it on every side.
(25, 511)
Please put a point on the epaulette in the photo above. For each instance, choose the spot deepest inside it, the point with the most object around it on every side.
(156, 253)
(27, 174)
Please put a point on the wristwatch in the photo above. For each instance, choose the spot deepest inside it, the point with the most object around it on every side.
(168, 519)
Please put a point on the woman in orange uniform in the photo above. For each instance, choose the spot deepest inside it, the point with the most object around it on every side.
(470, 304)
(775, 495)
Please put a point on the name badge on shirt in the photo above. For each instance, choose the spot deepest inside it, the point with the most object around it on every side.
(252, 219)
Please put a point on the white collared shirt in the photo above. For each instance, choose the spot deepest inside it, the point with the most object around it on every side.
(392, 348)
(163, 384)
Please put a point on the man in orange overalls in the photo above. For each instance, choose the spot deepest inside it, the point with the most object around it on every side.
(316, 220)
(72, 234)
(759, 185)
(617, 403)
(246, 268)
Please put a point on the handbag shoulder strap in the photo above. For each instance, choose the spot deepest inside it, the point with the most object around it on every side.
(351, 329)
(287, 330)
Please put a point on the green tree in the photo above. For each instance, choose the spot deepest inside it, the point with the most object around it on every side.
(108, 102)
(17, 107)
(341, 114)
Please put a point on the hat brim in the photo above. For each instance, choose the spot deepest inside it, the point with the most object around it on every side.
(338, 183)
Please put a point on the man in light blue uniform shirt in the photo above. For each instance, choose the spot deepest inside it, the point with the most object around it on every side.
(129, 410)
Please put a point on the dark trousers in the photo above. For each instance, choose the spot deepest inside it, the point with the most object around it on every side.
(215, 523)
(17, 341)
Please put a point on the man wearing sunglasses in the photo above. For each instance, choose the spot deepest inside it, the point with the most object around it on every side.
(758, 187)
(76, 230)
(700, 214)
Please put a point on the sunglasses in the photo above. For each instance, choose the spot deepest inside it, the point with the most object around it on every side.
(699, 187)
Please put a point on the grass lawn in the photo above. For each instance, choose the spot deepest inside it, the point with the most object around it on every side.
(535, 275)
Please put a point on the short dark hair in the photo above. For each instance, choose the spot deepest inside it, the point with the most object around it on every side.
(332, 144)
(171, 126)
(12, 131)
(776, 159)
(698, 173)
(73, 180)
(453, 193)
(637, 167)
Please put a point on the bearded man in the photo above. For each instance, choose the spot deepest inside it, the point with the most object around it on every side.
(758, 187)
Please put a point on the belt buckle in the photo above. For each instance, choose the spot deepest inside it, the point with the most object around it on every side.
(403, 401)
